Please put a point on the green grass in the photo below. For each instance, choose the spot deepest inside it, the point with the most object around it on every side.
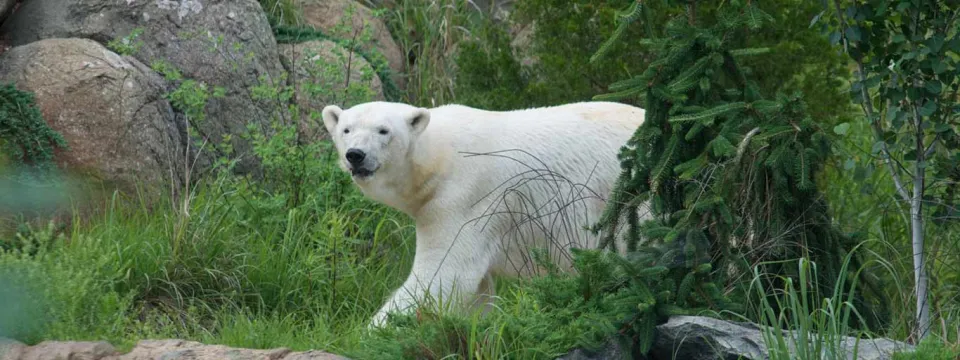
(242, 268)
(323, 266)
(931, 350)
(431, 31)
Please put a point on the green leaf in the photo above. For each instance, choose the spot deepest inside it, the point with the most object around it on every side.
(892, 112)
(928, 109)
(934, 87)
(849, 164)
(852, 33)
(935, 43)
(835, 38)
(841, 129)
(816, 18)
(898, 38)
(938, 66)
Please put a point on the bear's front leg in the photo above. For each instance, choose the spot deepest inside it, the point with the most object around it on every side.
(443, 272)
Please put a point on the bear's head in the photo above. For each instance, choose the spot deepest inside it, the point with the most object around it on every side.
(373, 139)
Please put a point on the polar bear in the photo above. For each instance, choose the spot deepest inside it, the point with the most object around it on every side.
(483, 187)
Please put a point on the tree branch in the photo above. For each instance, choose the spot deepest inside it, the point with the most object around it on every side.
(931, 147)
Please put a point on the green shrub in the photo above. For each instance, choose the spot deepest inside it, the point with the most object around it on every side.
(25, 138)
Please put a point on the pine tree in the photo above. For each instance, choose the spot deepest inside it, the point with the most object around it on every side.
(726, 170)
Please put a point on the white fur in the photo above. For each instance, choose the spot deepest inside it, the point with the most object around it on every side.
(543, 176)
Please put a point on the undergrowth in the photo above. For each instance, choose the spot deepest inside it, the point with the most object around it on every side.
(194, 272)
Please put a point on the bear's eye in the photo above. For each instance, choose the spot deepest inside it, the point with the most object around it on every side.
(384, 132)
(346, 131)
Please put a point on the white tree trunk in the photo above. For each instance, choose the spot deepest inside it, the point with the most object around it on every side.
(916, 225)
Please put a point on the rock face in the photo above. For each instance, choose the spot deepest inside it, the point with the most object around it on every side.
(702, 338)
(225, 43)
(110, 109)
(149, 350)
(319, 74)
(6, 6)
(327, 15)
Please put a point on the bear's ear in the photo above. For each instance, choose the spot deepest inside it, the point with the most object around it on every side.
(331, 116)
(418, 120)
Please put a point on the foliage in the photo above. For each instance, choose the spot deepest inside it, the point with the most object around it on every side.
(567, 34)
(292, 35)
(930, 350)
(127, 45)
(323, 264)
(294, 249)
(907, 84)
(490, 77)
(429, 33)
(52, 290)
(547, 316)
(556, 66)
(718, 163)
(796, 328)
(25, 138)
(281, 12)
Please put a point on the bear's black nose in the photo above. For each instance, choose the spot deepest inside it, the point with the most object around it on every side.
(355, 156)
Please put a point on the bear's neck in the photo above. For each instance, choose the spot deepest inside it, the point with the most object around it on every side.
(417, 188)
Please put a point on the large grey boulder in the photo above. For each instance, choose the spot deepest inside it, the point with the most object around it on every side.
(223, 43)
(702, 338)
(110, 110)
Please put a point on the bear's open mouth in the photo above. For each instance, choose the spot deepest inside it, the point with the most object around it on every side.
(362, 172)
